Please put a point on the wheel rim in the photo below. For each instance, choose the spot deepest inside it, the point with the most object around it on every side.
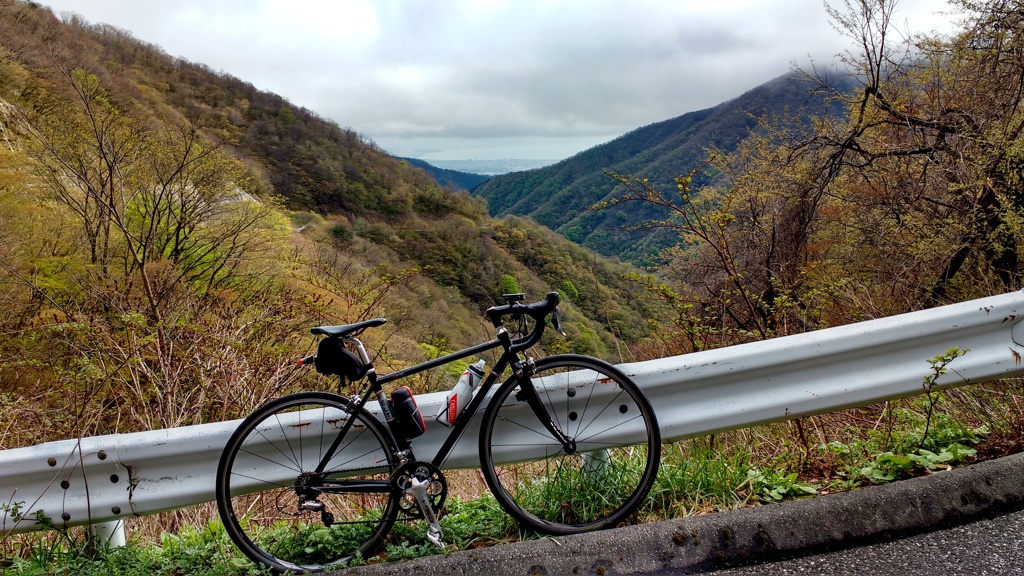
(280, 512)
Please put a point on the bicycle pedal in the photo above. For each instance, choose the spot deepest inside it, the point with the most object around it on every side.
(435, 538)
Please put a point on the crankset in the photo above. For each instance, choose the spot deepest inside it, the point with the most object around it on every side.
(422, 490)
(424, 472)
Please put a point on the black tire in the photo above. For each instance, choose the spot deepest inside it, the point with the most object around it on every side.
(604, 481)
(261, 467)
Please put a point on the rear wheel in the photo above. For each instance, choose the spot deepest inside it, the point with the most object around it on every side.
(275, 506)
(604, 475)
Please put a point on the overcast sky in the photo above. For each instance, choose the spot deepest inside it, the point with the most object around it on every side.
(473, 79)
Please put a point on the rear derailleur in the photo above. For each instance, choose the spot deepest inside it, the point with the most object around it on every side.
(306, 487)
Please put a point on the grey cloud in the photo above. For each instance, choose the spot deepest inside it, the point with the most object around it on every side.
(519, 69)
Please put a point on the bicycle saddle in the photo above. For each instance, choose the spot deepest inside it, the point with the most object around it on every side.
(343, 330)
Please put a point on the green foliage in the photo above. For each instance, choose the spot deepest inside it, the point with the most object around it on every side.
(603, 291)
(477, 522)
(313, 543)
(912, 443)
(568, 290)
(285, 116)
(888, 466)
(205, 551)
(509, 285)
(450, 373)
(772, 487)
(378, 210)
(341, 233)
(693, 477)
(939, 367)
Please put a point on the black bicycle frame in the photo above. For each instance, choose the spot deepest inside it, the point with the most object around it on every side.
(510, 357)
(460, 423)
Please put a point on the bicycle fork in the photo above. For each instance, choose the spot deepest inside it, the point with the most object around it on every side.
(528, 392)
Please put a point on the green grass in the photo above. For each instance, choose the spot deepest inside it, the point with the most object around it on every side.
(205, 551)
(575, 489)
(694, 478)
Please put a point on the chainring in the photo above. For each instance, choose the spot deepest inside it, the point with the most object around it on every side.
(437, 487)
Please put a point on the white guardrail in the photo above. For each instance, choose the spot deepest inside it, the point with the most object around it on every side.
(101, 480)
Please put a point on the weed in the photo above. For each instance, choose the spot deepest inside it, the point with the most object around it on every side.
(889, 466)
(772, 486)
(939, 366)
(202, 551)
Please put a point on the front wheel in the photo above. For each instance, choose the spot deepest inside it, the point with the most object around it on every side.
(280, 510)
(609, 466)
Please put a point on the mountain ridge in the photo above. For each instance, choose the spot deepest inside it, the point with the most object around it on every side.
(559, 196)
(492, 167)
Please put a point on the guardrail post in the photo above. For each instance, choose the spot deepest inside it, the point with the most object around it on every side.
(110, 534)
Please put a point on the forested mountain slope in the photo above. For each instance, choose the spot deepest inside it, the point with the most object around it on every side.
(559, 196)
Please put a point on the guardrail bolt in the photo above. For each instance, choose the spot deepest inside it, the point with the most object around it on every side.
(114, 478)
(116, 509)
(66, 516)
(65, 484)
(51, 461)
(102, 454)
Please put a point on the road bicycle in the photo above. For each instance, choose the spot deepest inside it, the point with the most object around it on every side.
(313, 480)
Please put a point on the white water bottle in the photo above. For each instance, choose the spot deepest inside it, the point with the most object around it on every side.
(459, 396)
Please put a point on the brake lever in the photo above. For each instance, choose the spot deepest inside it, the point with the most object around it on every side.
(556, 321)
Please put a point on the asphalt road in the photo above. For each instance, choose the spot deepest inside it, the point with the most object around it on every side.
(967, 497)
(988, 547)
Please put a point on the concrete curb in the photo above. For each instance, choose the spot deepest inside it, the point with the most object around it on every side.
(716, 541)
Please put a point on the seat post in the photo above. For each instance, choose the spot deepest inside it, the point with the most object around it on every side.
(361, 350)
